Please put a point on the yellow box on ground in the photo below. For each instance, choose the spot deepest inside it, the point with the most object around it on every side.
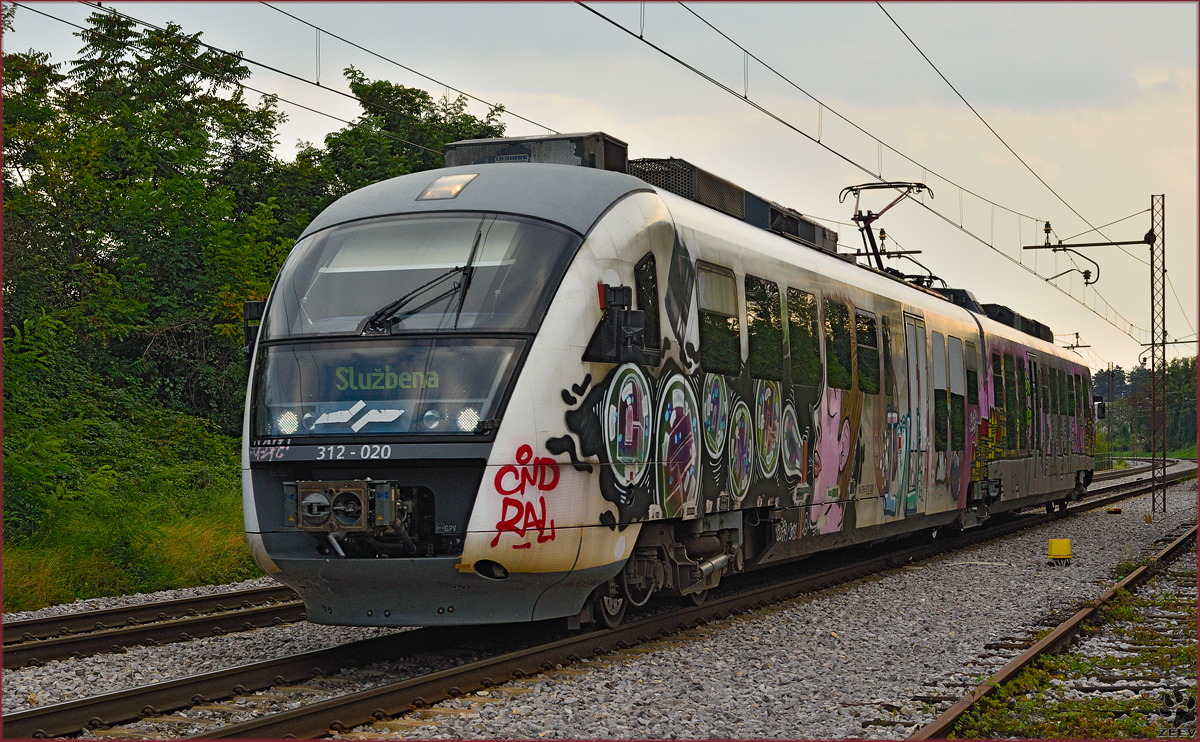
(1060, 548)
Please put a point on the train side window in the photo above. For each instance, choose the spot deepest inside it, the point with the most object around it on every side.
(941, 405)
(958, 401)
(868, 352)
(997, 382)
(1010, 403)
(1062, 393)
(720, 338)
(1055, 407)
(839, 367)
(803, 338)
(645, 279)
(889, 369)
(764, 328)
(972, 375)
(1074, 379)
(1035, 405)
(1046, 409)
(1022, 408)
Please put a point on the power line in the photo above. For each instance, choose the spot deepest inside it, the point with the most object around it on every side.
(814, 99)
(745, 99)
(1001, 139)
(1102, 226)
(265, 94)
(748, 53)
(285, 73)
(1180, 303)
(404, 67)
(985, 123)
(1027, 167)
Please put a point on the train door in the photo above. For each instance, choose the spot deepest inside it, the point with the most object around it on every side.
(1037, 430)
(1064, 425)
(917, 443)
(1035, 418)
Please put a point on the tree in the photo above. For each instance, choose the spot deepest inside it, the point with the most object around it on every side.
(144, 202)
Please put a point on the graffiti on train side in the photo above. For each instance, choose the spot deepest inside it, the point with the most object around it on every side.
(890, 448)
(519, 513)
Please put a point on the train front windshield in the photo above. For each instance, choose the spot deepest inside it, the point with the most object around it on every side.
(482, 272)
(407, 324)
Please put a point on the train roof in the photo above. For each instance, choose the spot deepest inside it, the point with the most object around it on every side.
(688, 213)
(574, 197)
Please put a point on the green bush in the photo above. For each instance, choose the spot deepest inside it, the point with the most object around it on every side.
(106, 492)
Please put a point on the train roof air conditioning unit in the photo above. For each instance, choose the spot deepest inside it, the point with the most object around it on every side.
(696, 184)
(1006, 316)
(592, 149)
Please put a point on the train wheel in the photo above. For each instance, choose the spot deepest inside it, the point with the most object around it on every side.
(1049, 508)
(695, 599)
(609, 605)
(637, 596)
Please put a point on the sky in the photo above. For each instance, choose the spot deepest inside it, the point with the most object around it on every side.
(1098, 99)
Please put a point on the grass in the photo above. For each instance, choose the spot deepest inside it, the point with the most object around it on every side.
(107, 493)
(1028, 707)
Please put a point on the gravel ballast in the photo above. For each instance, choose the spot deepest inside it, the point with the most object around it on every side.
(819, 667)
(124, 601)
(846, 663)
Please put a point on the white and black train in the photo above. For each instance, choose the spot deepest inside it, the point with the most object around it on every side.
(535, 386)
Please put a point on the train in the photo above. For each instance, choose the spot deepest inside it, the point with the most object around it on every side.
(547, 381)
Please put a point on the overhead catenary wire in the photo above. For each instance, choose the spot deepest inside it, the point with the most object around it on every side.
(762, 109)
(271, 96)
(285, 73)
(960, 225)
(1030, 169)
(823, 106)
(362, 48)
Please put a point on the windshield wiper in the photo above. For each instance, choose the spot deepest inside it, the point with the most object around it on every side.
(468, 275)
(375, 320)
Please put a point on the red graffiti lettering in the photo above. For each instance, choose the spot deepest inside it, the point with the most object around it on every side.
(545, 467)
(505, 470)
(510, 524)
(542, 475)
(520, 517)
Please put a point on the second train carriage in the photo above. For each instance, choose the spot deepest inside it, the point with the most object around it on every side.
(505, 392)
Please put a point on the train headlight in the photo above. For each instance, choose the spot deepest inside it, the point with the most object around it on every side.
(468, 419)
(431, 419)
(447, 186)
(287, 423)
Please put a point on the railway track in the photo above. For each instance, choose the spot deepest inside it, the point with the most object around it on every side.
(316, 707)
(36, 641)
(1056, 640)
(1104, 476)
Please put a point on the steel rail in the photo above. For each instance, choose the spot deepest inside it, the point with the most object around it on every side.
(354, 709)
(1056, 640)
(111, 618)
(39, 651)
(128, 705)
(1119, 473)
